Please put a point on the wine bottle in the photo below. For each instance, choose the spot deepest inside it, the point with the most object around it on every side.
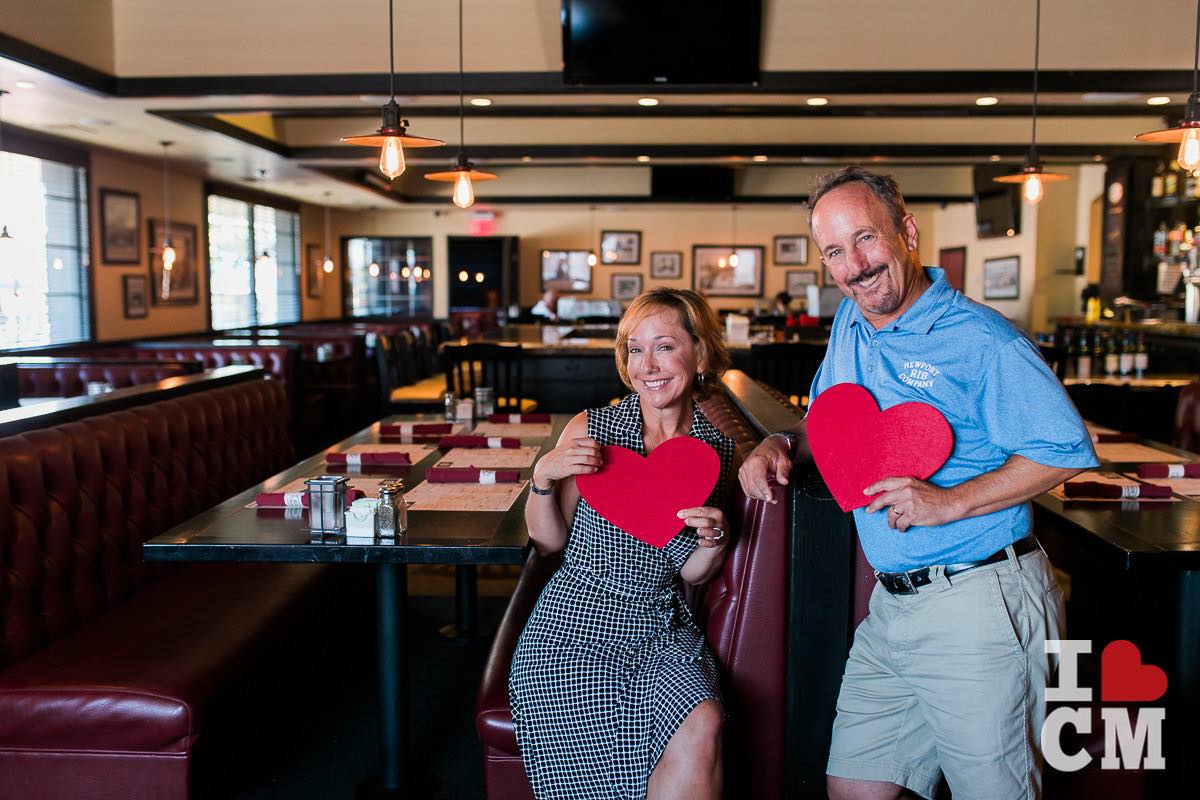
(1126, 360)
(1083, 359)
(1111, 359)
(1141, 357)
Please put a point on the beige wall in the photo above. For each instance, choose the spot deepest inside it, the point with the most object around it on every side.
(78, 29)
(328, 303)
(144, 177)
(663, 228)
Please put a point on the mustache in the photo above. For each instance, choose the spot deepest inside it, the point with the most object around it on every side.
(867, 274)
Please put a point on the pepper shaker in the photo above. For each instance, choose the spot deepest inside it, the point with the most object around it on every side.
(385, 514)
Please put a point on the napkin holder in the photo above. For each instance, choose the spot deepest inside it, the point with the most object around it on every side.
(327, 503)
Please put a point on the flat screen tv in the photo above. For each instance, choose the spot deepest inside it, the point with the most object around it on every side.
(661, 41)
(997, 205)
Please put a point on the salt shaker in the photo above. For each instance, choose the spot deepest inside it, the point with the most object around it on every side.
(450, 400)
(385, 513)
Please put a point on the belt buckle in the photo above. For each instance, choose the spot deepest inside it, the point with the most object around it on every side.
(904, 583)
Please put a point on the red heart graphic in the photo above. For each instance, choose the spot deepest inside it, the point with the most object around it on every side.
(1125, 679)
(642, 496)
(854, 444)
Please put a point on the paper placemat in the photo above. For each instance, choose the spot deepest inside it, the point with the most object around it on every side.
(427, 496)
(456, 429)
(415, 452)
(521, 430)
(1108, 477)
(1185, 486)
(1132, 451)
(490, 458)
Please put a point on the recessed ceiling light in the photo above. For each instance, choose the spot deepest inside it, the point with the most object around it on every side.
(526, 159)
(482, 102)
(993, 158)
(1107, 97)
(986, 101)
(643, 159)
(648, 102)
(1158, 100)
(759, 159)
(25, 84)
(1097, 158)
(817, 101)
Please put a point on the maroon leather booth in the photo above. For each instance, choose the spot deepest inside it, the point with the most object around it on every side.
(70, 379)
(113, 672)
(743, 613)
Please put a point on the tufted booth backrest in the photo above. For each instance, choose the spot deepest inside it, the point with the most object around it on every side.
(70, 380)
(78, 500)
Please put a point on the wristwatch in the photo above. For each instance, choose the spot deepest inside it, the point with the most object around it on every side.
(790, 438)
(533, 487)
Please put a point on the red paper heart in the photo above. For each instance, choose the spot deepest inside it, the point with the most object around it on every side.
(854, 444)
(1125, 679)
(642, 496)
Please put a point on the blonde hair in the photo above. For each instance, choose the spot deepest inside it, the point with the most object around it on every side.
(697, 318)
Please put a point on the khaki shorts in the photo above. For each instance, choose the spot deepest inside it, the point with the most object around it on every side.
(952, 681)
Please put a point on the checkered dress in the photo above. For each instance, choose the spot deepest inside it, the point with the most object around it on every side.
(611, 661)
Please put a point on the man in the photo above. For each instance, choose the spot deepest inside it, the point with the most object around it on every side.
(547, 307)
(947, 673)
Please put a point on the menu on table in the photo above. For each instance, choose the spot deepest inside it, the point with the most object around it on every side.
(1185, 486)
(1099, 476)
(415, 452)
(402, 432)
(1132, 451)
(427, 496)
(521, 430)
(490, 458)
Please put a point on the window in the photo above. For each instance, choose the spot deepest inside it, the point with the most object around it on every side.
(43, 267)
(390, 276)
(254, 263)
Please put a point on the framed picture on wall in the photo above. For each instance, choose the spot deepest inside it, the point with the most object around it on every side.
(827, 277)
(798, 279)
(178, 285)
(120, 227)
(954, 261)
(716, 274)
(566, 271)
(791, 249)
(314, 259)
(620, 247)
(626, 287)
(1002, 278)
(666, 265)
(135, 300)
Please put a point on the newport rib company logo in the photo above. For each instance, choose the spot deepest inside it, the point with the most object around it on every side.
(1132, 734)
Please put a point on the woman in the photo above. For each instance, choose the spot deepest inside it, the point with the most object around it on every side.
(613, 689)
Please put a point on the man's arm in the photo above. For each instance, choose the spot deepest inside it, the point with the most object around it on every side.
(913, 502)
(772, 459)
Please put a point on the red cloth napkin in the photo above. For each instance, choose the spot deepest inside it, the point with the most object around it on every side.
(518, 418)
(1114, 492)
(415, 429)
(470, 475)
(1113, 438)
(478, 441)
(280, 499)
(383, 459)
(1165, 470)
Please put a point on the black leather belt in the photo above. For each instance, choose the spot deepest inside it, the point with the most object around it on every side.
(908, 582)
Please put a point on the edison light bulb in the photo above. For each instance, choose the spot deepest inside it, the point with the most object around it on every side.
(721, 262)
(391, 157)
(462, 275)
(1189, 150)
(479, 277)
(464, 192)
(404, 272)
(328, 264)
(733, 259)
(1033, 189)
(168, 258)
(373, 270)
(591, 259)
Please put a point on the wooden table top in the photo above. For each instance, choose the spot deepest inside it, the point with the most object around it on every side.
(232, 531)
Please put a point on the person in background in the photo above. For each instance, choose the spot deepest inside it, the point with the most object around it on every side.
(783, 302)
(548, 306)
(613, 688)
(947, 673)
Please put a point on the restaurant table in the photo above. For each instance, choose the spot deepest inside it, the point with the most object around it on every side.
(236, 531)
(1132, 571)
(1145, 405)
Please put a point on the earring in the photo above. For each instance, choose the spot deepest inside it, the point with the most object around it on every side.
(700, 378)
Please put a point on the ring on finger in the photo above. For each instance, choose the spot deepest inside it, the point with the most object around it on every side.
(720, 535)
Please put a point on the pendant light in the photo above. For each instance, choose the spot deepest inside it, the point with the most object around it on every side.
(327, 264)
(392, 136)
(1187, 132)
(5, 236)
(733, 255)
(1032, 175)
(168, 251)
(463, 175)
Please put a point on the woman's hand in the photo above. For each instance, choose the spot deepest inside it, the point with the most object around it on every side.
(576, 456)
(709, 523)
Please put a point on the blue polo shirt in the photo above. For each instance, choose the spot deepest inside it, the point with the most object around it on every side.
(991, 383)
